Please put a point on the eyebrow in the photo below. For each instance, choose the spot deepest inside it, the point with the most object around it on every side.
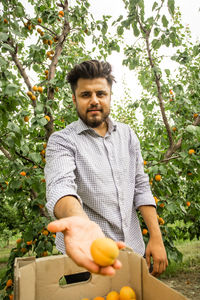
(98, 91)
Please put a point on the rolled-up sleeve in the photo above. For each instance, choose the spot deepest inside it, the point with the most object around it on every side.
(142, 192)
(59, 170)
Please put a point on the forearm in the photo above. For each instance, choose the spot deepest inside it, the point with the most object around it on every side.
(150, 218)
(69, 206)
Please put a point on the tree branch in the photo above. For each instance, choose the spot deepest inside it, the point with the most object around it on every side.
(160, 98)
(20, 67)
(6, 153)
(28, 159)
(52, 69)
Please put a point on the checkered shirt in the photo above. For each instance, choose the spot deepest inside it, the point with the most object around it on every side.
(105, 173)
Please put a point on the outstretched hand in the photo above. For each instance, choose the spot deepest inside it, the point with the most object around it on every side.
(79, 233)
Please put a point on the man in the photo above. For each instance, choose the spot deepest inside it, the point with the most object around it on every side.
(95, 178)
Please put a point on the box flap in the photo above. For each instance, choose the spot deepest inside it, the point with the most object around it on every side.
(18, 263)
(24, 278)
(154, 289)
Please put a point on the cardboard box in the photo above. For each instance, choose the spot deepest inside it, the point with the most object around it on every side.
(38, 279)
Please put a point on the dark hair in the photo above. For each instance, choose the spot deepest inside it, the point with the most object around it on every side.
(88, 70)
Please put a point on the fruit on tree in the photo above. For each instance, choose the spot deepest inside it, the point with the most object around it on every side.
(61, 14)
(23, 173)
(47, 118)
(35, 88)
(30, 94)
(33, 97)
(9, 283)
(40, 89)
(144, 231)
(158, 177)
(26, 119)
(191, 151)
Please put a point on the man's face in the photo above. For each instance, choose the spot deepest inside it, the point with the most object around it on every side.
(92, 99)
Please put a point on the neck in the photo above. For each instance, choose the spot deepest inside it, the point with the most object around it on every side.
(102, 129)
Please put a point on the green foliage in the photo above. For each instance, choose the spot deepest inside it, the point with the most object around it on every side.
(38, 46)
(169, 126)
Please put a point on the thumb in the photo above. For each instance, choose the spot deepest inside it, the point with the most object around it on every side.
(58, 225)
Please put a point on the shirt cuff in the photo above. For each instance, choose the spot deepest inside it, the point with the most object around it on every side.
(144, 199)
(57, 195)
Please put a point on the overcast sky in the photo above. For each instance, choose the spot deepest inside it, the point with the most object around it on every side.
(190, 10)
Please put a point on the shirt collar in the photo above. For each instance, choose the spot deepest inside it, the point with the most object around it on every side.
(81, 126)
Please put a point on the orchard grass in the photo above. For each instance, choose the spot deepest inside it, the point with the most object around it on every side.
(191, 258)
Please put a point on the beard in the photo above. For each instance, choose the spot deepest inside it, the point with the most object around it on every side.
(96, 120)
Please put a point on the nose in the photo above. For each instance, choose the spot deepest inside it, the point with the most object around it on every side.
(94, 99)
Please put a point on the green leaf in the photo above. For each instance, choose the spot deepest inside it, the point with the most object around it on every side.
(35, 157)
(120, 30)
(13, 127)
(167, 71)
(135, 29)
(2, 62)
(156, 31)
(19, 11)
(11, 89)
(42, 121)
(156, 44)
(193, 129)
(170, 5)
(36, 68)
(165, 21)
(3, 36)
(154, 5)
(39, 108)
(7, 47)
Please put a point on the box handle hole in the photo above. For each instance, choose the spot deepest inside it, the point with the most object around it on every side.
(74, 278)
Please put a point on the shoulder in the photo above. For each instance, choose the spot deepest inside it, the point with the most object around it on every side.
(64, 136)
(125, 129)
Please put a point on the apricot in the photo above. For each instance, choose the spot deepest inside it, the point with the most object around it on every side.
(26, 119)
(104, 251)
(191, 151)
(23, 173)
(113, 295)
(29, 93)
(158, 177)
(40, 89)
(9, 283)
(33, 97)
(127, 293)
(35, 88)
(47, 118)
(144, 231)
(61, 13)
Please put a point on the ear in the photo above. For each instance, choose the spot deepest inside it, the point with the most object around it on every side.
(74, 99)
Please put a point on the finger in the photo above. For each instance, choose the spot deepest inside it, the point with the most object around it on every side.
(117, 264)
(83, 261)
(109, 271)
(156, 266)
(148, 259)
(58, 225)
(121, 245)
